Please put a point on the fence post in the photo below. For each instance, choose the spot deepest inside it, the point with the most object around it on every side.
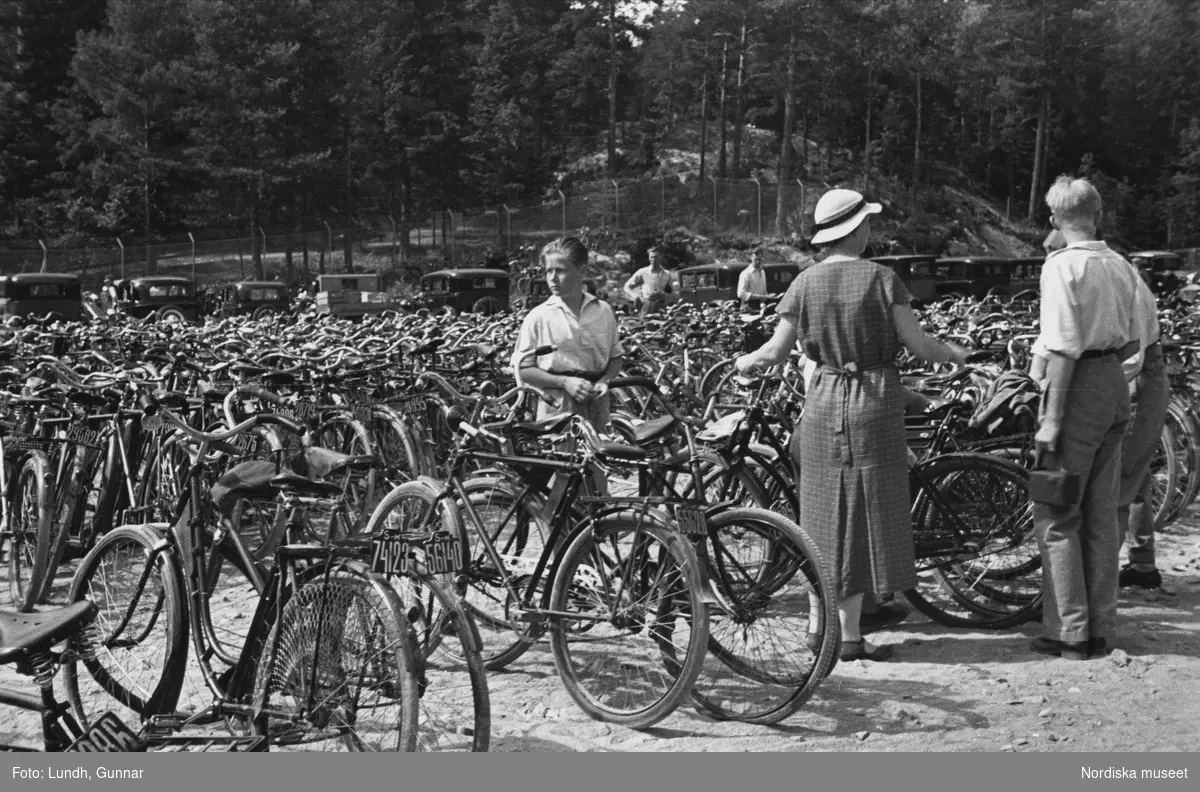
(616, 205)
(392, 220)
(193, 240)
(563, 197)
(715, 226)
(122, 246)
(328, 244)
(45, 255)
(803, 207)
(758, 184)
(263, 257)
(507, 227)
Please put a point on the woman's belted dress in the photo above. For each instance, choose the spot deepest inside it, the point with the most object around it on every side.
(850, 446)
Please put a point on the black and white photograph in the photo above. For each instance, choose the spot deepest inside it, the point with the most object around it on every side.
(594, 376)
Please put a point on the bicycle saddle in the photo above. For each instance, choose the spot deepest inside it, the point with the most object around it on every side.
(21, 632)
(300, 484)
(323, 462)
(654, 429)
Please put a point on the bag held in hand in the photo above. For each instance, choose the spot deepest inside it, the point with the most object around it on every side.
(1054, 487)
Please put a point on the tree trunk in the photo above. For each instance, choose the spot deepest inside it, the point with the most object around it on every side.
(1035, 185)
(349, 208)
(704, 115)
(916, 171)
(151, 259)
(612, 88)
(867, 129)
(738, 98)
(721, 109)
(256, 253)
(785, 151)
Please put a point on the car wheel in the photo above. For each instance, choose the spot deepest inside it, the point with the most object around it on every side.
(262, 312)
(487, 306)
(171, 314)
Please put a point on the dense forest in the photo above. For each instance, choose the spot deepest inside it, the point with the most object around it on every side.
(144, 117)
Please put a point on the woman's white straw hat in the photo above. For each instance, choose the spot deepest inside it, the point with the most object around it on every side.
(838, 213)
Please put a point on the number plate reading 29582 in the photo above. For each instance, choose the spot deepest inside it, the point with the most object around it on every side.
(392, 553)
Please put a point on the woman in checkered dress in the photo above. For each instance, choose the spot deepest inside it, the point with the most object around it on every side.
(851, 316)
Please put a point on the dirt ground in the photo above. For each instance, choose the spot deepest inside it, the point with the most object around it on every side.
(945, 690)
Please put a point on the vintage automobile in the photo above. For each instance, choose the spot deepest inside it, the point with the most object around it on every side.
(475, 290)
(539, 291)
(352, 295)
(916, 270)
(718, 281)
(164, 296)
(256, 298)
(975, 276)
(1026, 274)
(38, 294)
(1160, 268)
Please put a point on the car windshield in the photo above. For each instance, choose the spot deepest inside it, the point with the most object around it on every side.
(264, 295)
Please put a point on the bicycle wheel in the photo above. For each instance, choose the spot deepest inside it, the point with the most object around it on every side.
(455, 712)
(516, 528)
(629, 626)
(341, 673)
(978, 563)
(142, 644)
(30, 529)
(394, 445)
(1184, 441)
(774, 634)
(87, 511)
(1167, 486)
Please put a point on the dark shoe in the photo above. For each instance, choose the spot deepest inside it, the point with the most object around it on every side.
(857, 650)
(1067, 650)
(882, 618)
(1135, 577)
(1098, 647)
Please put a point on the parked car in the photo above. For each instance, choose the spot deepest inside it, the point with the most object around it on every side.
(916, 270)
(166, 296)
(976, 276)
(256, 298)
(1161, 268)
(1026, 274)
(539, 291)
(475, 290)
(38, 294)
(352, 295)
(718, 281)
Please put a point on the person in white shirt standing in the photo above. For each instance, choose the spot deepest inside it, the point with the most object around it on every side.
(653, 287)
(752, 283)
(1088, 326)
(584, 331)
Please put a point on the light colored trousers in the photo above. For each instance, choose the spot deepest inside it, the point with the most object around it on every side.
(1081, 544)
(1135, 514)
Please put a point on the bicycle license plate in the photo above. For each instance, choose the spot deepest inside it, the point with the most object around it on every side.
(413, 408)
(304, 411)
(361, 412)
(443, 553)
(81, 434)
(108, 734)
(390, 554)
(691, 521)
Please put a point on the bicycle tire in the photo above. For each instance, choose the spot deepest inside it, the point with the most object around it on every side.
(662, 630)
(339, 639)
(777, 601)
(978, 564)
(87, 504)
(1192, 431)
(455, 711)
(1166, 486)
(30, 526)
(141, 668)
(1184, 443)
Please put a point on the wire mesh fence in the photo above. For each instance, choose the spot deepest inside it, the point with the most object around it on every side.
(723, 208)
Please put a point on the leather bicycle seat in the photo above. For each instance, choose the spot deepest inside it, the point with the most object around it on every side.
(21, 632)
(654, 429)
(302, 485)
